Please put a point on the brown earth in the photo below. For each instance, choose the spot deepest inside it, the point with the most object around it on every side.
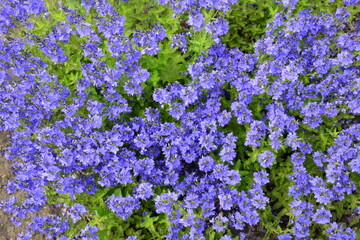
(7, 230)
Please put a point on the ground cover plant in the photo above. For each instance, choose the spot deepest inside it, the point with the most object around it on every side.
(176, 119)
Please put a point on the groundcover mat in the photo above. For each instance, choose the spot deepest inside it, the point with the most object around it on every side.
(181, 119)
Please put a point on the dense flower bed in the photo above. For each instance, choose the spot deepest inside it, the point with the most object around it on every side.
(139, 121)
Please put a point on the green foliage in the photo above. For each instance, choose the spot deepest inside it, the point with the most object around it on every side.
(247, 21)
(143, 223)
(169, 65)
(248, 18)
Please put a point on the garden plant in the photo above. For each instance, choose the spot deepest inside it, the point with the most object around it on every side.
(182, 119)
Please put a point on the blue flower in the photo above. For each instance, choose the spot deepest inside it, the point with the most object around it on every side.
(266, 158)
(261, 177)
(206, 163)
(301, 228)
(75, 211)
(88, 233)
(179, 40)
(322, 216)
(143, 191)
(285, 237)
(338, 231)
(123, 206)
(165, 201)
(238, 220)
(217, 28)
(132, 238)
(196, 20)
(256, 133)
(226, 201)
(226, 237)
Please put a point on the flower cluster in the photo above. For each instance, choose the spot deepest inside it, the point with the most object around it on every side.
(12, 13)
(301, 79)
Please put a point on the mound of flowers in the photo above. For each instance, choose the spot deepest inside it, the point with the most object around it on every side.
(138, 122)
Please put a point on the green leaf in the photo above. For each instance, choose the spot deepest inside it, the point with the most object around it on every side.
(118, 192)
(148, 223)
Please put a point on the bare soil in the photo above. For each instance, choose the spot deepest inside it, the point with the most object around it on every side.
(7, 230)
